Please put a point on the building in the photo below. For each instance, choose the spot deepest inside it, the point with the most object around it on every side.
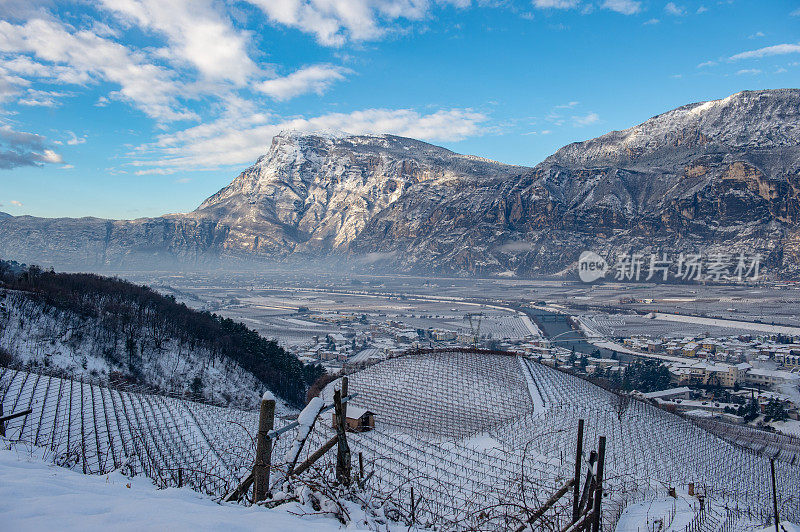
(771, 377)
(670, 394)
(357, 419)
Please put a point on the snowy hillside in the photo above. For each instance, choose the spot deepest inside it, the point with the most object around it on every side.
(112, 330)
(37, 335)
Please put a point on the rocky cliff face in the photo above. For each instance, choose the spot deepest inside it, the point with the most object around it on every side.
(714, 176)
(316, 193)
(720, 176)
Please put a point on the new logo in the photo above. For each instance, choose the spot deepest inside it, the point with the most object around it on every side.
(591, 266)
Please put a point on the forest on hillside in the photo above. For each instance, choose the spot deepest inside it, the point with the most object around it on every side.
(140, 334)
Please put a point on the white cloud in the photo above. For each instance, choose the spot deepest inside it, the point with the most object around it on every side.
(334, 22)
(555, 4)
(748, 71)
(586, 120)
(20, 148)
(316, 78)
(707, 64)
(74, 139)
(673, 9)
(238, 138)
(84, 55)
(197, 34)
(778, 49)
(67, 167)
(38, 98)
(701, 10)
(795, 13)
(16, 203)
(651, 22)
(626, 7)
(756, 35)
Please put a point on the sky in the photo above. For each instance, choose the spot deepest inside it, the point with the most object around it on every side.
(133, 108)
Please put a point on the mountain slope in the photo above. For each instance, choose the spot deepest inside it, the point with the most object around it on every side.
(317, 192)
(714, 176)
(107, 328)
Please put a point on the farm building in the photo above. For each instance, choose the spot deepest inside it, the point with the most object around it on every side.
(358, 419)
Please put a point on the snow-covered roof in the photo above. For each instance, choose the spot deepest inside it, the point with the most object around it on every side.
(667, 393)
(356, 412)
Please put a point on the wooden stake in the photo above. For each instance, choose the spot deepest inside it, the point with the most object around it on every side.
(576, 491)
(547, 505)
(316, 455)
(360, 466)
(774, 494)
(266, 421)
(343, 452)
(413, 519)
(598, 493)
(588, 485)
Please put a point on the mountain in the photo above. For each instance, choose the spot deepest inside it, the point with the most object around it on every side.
(718, 176)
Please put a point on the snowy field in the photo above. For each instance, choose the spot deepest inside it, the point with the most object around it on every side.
(626, 325)
(35, 496)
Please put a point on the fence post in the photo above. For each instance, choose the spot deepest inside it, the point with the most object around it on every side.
(774, 494)
(266, 420)
(413, 517)
(598, 493)
(576, 489)
(343, 451)
(2, 423)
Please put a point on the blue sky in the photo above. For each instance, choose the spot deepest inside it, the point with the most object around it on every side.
(131, 108)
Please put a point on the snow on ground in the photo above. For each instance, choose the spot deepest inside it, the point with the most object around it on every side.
(530, 325)
(674, 514)
(790, 427)
(786, 526)
(38, 496)
(536, 397)
(762, 327)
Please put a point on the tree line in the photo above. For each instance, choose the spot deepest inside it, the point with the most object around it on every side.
(135, 314)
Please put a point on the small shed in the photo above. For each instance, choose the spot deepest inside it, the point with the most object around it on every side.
(358, 419)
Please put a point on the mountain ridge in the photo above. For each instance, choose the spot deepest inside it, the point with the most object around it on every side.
(717, 176)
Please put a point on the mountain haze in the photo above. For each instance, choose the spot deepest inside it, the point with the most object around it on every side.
(716, 176)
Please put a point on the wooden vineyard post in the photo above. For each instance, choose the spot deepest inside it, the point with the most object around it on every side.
(598, 493)
(343, 451)
(576, 489)
(413, 517)
(2, 423)
(360, 466)
(266, 421)
(345, 382)
(774, 495)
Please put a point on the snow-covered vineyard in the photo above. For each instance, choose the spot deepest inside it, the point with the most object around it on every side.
(478, 437)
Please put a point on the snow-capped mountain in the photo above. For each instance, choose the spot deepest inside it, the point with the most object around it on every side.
(318, 192)
(720, 176)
